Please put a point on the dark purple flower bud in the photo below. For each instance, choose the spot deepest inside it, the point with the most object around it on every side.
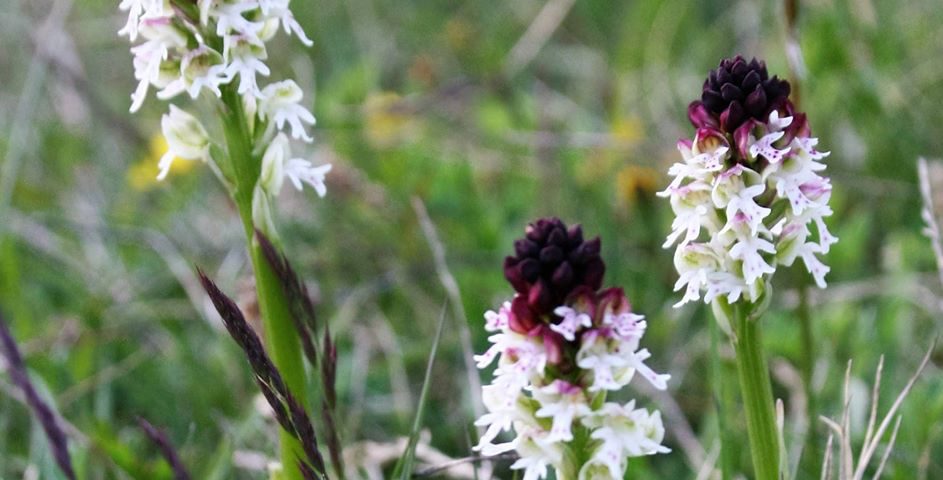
(521, 319)
(759, 66)
(751, 81)
(550, 262)
(613, 302)
(551, 255)
(557, 237)
(712, 100)
(798, 128)
(540, 297)
(738, 90)
(739, 69)
(562, 276)
(756, 101)
(575, 236)
(778, 91)
(593, 247)
(733, 115)
(700, 116)
(513, 274)
(583, 299)
(530, 269)
(741, 138)
(525, 248)
(535, 234)
(593, 273)
(730, 92)
(553, 344)
(580, 255)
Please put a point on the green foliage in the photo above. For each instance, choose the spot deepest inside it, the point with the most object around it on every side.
(413, 100)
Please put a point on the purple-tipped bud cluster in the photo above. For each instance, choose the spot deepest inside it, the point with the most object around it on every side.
(552, 261)
(560, 344)
(750, 192)
(738, 90)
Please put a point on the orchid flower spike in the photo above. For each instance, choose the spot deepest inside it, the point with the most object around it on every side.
(749, 193)
(561, 344)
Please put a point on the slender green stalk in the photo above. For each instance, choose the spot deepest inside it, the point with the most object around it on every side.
(404, 467)
(280, 335)
(757, 394)
(723, 399)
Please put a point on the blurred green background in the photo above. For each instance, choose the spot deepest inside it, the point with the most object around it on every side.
(489, 114)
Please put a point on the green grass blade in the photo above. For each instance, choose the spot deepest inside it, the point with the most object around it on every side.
(404, 467)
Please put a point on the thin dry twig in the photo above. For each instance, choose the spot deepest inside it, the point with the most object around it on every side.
(827, 460)
(932, 229)
(885, 423)
(794, 56)
(848, 468)
(367, 459)
(528, 46)
(888, 449)
(442, 467)
(455, 298)
(847, 457)
(875, 393)
(707, 471)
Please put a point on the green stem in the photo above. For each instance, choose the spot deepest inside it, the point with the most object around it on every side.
(757, 394)
(576, 454)
(281, 339)
(723, 399)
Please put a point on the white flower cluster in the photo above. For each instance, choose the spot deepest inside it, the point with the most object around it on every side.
(736, 220)
(544, 408)
(206, 45)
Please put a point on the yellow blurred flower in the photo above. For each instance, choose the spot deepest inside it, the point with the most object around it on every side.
(143, 174)
(634, 182)
(458, 34)
(599, 165)
(387, 119)
(627, 131)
